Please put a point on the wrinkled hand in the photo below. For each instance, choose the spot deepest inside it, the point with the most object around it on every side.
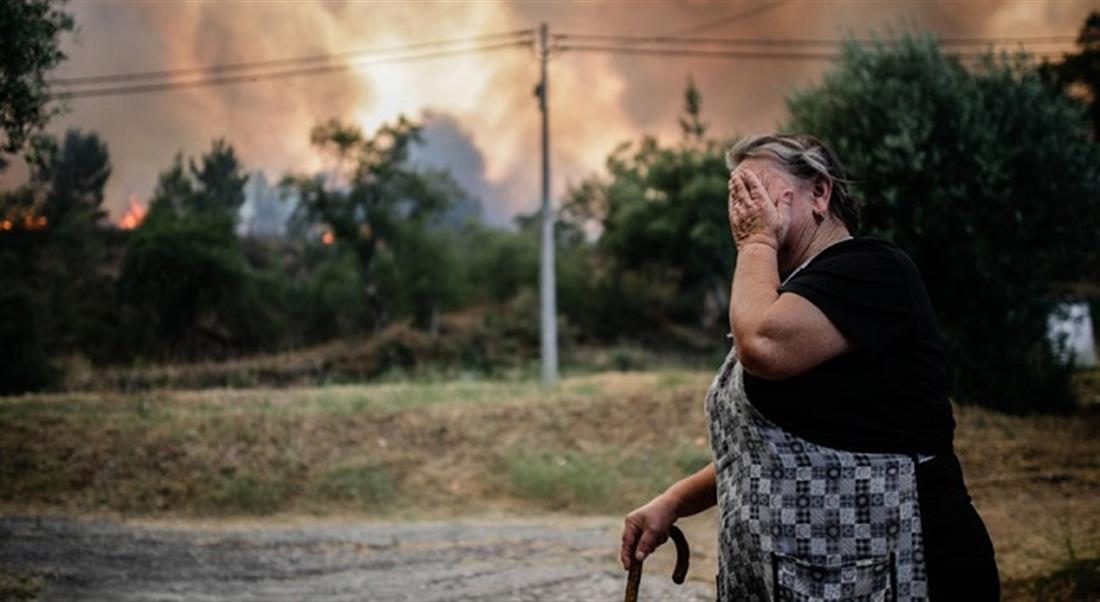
(753, 215)
(646, 528)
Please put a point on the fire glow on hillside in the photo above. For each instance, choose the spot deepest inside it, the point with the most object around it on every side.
(135, 213)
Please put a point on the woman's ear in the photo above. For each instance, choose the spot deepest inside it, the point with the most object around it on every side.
(822, 191)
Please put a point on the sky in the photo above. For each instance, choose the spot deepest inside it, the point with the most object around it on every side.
(480, 116)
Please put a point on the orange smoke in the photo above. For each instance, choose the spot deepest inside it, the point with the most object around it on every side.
(597, 100)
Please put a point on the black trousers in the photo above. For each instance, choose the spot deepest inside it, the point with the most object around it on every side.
(958, 553)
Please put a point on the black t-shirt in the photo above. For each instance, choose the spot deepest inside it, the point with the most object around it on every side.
(890, 393)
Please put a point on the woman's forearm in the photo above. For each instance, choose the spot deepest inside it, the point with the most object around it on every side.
(695, 493)
(754, 288)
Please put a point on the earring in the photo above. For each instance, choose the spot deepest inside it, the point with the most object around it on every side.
(818, 217)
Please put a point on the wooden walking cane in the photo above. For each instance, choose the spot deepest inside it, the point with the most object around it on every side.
(683, 556)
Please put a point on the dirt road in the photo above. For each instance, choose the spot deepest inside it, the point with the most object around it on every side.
(508, 559)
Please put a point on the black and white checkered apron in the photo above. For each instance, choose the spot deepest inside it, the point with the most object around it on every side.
(800, 521)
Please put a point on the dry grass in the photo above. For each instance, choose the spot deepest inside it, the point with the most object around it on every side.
(17, 586)
(599, 444)
(1036, 482)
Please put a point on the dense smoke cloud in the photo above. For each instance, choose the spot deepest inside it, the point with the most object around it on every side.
(483, 103)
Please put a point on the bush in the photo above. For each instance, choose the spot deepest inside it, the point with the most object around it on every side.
(23, 362)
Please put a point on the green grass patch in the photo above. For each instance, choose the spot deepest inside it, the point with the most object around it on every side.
(647, 472)
(671, 380)
(644, 475)
(560, 480)
(690, 459)
(247, 493)
(605, 480)
(367, 486)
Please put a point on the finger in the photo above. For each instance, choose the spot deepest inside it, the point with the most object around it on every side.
(742, 188)
(760, 199)
(740, 191)
(734, 207)
(648, 542)
(645, 546)
(630, 536)
(626, 552)
(740, 214)
(756, 189)
(737, 213)
(738, 185)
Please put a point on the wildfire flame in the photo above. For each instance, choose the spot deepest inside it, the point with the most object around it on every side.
(25, 222)
(135, 213)
(328, 238)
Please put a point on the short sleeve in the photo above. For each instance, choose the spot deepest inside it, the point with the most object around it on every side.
(864, 291)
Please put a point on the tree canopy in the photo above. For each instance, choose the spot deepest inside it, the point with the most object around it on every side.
(184, 279)
(30, 36)
(56, 292)
(1079, 72)
(664, 251)
(377, 204)
(988, 178)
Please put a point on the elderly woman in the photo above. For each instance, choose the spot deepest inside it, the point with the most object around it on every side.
(834, 470)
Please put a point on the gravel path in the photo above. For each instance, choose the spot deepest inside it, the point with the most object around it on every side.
(423, 561)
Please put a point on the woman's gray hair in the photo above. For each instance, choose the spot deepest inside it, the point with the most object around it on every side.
(807, 158)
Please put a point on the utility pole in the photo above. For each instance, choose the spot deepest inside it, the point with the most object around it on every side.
(547, 301)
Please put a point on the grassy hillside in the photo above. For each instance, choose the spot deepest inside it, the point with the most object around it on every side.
(600, 444)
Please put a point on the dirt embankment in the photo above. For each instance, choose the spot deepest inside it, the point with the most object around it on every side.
(597, 444)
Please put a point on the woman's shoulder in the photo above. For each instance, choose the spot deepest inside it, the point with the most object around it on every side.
(869, 266)
(861, 285)
(866, 243)
(863, 265)
(871, 241)
(871, 252)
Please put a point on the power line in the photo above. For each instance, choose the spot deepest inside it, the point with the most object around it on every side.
(746, 54)
(738, 16)
(742, 54)
(803, 42)
(657, 45)
(234, 79)
(250, 65)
